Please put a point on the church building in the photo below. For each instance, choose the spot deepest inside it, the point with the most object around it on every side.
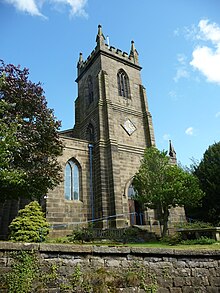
(103, 151)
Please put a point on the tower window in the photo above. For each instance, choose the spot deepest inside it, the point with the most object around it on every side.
(123, 84)
(90, 88)
(71, 181)
(90, 133)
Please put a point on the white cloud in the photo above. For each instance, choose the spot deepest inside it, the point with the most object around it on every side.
(189, 131)
(206, 59)
(166, 136)
(32, 7)
(181, 70)
(29, 6)
(217, 115)
(77, 7)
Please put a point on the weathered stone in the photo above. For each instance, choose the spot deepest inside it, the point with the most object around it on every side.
(169, 273)
(65, 248)
(175, 290)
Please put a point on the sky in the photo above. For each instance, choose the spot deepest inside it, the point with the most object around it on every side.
(178, 42)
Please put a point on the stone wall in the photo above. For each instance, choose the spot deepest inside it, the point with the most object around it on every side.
(144, 269)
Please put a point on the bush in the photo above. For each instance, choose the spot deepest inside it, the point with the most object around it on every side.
(195, 225)
(30, 225)
(82, 234)
(202, 241)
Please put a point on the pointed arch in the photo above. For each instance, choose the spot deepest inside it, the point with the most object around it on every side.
(90, 89)
(90, 132)
(72, 180)
(123, 84)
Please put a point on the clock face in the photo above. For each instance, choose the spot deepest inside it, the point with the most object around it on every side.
(129, 126)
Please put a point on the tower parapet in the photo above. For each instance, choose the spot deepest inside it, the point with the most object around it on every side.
(105, 49)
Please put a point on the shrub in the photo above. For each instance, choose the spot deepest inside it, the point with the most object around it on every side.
(30, 225)
(195, 225)
(202, 241)
(82, 234)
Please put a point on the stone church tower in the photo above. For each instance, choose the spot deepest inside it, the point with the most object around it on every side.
(102, 152)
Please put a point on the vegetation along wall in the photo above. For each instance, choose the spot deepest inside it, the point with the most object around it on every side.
(75, 268)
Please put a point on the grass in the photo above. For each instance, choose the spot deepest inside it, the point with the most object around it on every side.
(178, 246)
(156, 244)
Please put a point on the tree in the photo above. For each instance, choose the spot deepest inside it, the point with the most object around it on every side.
(208, 173)
(160, 185)
(8, 144)
(29, 140)
(30, 225)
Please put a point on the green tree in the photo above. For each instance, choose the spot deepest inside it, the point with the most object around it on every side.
(208, 173)
(160, 185)
(30, 225)
(29, 140)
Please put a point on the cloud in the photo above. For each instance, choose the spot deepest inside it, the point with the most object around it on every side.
(181, 71)
(217, 115)
(77, 7)
(166, 136)
(33, 7)
(189, 131)
(29, 6)
(206, 58)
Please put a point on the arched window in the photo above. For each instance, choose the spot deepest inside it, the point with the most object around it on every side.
(131, 192)
(90, 133)
(90, 88)
(71, 181)
(123, 84)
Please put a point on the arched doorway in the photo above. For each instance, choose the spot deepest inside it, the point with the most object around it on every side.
(135, 210)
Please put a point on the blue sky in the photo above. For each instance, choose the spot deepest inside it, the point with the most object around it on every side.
(178, 42)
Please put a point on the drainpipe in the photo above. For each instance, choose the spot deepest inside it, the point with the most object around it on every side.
(91, 181)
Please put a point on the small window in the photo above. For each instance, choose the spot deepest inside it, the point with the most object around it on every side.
(90, 133)
(123, 84)
(90, 88)
(71, 181)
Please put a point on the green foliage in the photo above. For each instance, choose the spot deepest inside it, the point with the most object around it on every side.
(174, 239)
(8, 145)
(195, 225)
(28, 274)
(30, 225)
(29, 141)
(208, 173)
(24, 272)
(160, 185)
(107, 280)
(202, 241)
(82, 234)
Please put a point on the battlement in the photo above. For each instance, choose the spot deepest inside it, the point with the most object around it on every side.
(111, 51)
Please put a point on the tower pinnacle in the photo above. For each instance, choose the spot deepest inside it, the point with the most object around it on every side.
(172, 153)
(133, 53)
(100, 38)
(80, 62)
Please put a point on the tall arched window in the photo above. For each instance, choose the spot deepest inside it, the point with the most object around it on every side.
(90, 88)
(71, 181)
(90, 133)
(131, 192)
(123, 84)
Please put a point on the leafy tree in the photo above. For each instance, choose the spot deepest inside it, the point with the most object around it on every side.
(30, 225)
(29, 141)
(208, 173)
(8, 144)
(160, 185)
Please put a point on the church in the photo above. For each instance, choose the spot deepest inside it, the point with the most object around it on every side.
(103, 151)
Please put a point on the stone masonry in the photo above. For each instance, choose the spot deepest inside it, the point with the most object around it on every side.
(119, 127)
(169, 270)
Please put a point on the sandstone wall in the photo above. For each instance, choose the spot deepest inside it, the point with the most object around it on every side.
(166, 270)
